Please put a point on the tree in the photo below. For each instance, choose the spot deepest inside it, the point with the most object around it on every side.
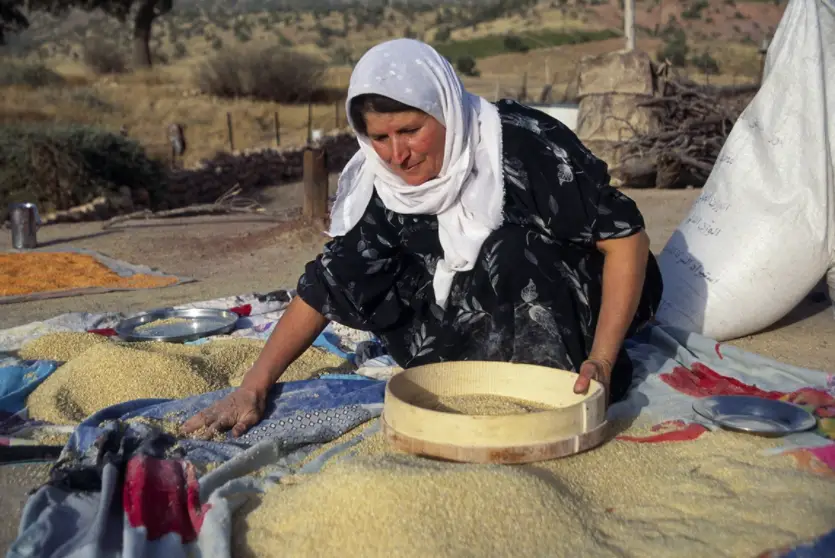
(144, 12)
(12, 19)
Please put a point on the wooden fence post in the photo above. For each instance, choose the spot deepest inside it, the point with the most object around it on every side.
(229, 131)
(309, 123)
(336, 125)
(315, 184)
(277, 126)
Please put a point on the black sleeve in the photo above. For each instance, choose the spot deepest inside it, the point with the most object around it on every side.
(354, 280)
(568, 186)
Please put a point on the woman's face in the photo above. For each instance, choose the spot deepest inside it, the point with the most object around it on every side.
(410, 143)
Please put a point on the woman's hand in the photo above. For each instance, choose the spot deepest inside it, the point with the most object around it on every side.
(244, 407)
(239, 411)
(599, 370)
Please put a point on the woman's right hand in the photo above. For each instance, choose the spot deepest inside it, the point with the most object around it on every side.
(239, 411)
(243, 408)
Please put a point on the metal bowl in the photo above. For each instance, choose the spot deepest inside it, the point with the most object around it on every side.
(197, 323)
(755, 415)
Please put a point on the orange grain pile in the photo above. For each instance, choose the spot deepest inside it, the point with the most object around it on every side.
(37, 272)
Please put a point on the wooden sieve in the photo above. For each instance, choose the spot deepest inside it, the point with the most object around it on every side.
(576, 423)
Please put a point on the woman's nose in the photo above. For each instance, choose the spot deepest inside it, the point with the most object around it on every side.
(399, 151)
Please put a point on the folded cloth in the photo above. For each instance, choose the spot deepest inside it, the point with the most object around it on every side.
(20, 379)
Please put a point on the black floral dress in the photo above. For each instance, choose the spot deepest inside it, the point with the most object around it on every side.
(535, 292)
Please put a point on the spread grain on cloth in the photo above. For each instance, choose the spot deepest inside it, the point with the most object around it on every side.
(37, 272)
(715, 496)
(97, 375)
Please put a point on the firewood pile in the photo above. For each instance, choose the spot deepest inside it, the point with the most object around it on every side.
(693, 123)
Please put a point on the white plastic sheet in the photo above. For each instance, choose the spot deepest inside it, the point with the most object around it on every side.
(760, 237)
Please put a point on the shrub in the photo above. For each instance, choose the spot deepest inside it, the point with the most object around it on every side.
(28, 74)
(103, 57)
(341, 56)
(180, 50)
(695, 10)
(706, 63)
(675, 48)
(442, 35)
(59, 166)
(268, 74)
(467, 66)
(514, 44)
(491, 45)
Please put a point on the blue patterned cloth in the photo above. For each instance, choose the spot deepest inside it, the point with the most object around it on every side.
(19, 378)
(297, 414)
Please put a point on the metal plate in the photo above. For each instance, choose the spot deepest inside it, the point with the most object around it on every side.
(196, 323)
(755, 415)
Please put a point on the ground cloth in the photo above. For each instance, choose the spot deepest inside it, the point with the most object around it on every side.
(121, 268)
(122, 488)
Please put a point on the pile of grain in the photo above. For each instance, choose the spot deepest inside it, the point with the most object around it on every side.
(98, 374)
(61, 346)
(715, 496)
(485, 404)
(36, 272)
(107, 374)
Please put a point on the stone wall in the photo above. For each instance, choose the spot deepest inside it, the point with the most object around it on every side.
(251, 171)
(610, 88)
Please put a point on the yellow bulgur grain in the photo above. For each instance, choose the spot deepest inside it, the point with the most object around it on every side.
(103, 373)
(107, 374)
(160, 323)
(61, 346)
(350, 435)
(485, 404)
(51, 438)
(714, 496)
(312, 362)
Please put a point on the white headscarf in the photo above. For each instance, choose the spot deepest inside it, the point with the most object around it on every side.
(468, 194)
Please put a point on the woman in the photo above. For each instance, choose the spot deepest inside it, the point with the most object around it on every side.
(464, 230)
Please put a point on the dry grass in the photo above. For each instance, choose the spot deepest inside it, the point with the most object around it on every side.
(145, 103)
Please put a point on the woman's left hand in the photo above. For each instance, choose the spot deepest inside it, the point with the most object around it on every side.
(593, 369)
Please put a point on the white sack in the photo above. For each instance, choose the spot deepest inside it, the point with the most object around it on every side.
(760, 236)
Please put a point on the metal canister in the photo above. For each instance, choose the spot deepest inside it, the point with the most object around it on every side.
(25, 222)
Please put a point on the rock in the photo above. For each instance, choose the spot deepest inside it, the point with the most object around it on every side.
(627, 73)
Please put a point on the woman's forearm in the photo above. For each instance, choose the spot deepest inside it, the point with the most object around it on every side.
(624, 269)
(292, 336)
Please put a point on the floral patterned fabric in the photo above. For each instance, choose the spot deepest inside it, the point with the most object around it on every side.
(534, 296)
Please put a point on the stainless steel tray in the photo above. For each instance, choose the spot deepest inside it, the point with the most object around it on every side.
(192, 324)
(755, 415)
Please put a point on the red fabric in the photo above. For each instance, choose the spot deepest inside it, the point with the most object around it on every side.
(163, 496)
(701, 381)
(107, 332)
(718, 352)
(242, 311)
(673, 431)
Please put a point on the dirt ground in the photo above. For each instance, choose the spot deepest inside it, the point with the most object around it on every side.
(238, 255)
(243, 254)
